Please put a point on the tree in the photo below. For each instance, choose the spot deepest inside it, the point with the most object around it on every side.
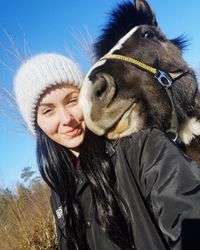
(29, 175)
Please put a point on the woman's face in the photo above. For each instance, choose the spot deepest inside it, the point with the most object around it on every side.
(60, 116)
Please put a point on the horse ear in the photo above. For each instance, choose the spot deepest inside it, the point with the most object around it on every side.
(143, 6)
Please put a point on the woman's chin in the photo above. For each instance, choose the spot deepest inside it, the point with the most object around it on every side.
(73, 143)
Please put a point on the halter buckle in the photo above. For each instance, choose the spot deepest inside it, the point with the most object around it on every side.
(164, 78)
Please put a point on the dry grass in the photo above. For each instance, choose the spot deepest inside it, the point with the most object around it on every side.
(26, 220)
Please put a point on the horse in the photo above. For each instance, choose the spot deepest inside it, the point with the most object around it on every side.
(140, 80)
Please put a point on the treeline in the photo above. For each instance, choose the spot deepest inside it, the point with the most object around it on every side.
(26, 220)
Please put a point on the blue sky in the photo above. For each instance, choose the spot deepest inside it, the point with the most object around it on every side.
(49, 26)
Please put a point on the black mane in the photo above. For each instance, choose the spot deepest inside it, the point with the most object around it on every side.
(181, 41)
(122, 19)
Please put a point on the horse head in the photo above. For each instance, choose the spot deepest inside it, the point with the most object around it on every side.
(140, 79)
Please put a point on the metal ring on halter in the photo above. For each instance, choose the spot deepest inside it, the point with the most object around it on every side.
(164, 79)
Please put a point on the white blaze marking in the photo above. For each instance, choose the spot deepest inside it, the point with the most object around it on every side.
(120, 43)
(118, 46)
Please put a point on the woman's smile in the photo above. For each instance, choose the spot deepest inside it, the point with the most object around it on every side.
(73, 132)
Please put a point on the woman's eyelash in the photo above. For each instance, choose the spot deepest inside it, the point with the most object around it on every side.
(46, 111)
(72, 100)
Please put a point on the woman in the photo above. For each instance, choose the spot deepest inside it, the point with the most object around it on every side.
(134, 193)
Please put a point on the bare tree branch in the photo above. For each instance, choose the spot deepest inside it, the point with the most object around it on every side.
(15, 49)
(69, 52)
(85, 42)
(8, 109)
(27, 51)
(10, 60)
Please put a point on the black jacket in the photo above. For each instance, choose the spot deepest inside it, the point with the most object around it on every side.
(161, 186)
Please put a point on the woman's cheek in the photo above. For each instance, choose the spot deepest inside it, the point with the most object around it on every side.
(47, 125)
(79, 113)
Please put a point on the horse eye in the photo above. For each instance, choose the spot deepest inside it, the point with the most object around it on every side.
(149, 34)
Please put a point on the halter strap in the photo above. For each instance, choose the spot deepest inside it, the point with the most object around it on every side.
(130, 60)
(165, 79)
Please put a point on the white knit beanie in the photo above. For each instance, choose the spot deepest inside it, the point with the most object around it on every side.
(37, 75)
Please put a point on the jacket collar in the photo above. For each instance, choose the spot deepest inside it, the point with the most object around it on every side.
(110, 147)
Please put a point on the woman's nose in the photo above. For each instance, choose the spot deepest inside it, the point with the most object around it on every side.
(65, 116)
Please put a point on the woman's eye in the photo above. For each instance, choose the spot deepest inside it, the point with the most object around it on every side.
(149, 34)
(46, 111)
(73, 100)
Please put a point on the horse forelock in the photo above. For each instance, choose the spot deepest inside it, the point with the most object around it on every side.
(122, 19)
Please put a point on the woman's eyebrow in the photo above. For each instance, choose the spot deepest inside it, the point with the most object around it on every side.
(45, 104)
(69, 95)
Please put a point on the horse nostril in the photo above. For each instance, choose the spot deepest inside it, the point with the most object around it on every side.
(103, 88)
(100, 90)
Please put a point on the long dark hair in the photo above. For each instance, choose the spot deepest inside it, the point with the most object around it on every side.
(57, 167)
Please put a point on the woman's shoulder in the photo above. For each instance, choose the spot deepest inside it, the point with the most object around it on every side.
(138, 139)
(132, 147)
(146, 145)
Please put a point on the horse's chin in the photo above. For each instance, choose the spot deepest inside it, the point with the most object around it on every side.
(129, 122)
(113, 132)
(121, 125)
(117, 129)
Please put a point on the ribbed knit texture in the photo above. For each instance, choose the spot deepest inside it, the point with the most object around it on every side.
(38, 74)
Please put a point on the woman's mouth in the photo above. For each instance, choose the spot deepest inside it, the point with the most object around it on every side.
(73, 131)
